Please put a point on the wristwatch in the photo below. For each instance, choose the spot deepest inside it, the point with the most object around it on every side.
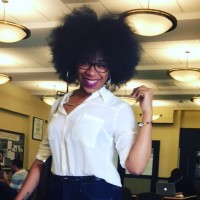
(141, 124)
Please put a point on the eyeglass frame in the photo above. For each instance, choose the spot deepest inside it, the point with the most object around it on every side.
(89, 64)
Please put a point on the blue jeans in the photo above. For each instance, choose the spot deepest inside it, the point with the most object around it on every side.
(82, 188)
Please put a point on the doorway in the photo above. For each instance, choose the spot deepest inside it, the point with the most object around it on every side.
(189, 161)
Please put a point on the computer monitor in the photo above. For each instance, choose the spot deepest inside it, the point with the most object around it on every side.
(166, 189)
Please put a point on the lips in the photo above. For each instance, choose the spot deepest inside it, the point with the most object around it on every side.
(89, 83)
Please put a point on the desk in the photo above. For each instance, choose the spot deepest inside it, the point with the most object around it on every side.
(181, 198)
(194, 197)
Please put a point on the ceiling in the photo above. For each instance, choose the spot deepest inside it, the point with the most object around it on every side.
(29, 61)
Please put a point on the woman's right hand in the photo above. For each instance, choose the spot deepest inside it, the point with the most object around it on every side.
(31, 181)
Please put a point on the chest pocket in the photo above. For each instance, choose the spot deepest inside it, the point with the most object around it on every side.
(86, 129)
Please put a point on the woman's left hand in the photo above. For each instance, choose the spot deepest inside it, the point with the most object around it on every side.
(141, 150)
(144, 96)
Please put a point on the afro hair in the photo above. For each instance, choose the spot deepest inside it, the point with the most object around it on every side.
(81, 34)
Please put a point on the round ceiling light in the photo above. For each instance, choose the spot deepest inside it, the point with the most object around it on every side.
(149, 22)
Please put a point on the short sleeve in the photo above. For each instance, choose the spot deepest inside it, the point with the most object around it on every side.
(44, 150)
(125, 131)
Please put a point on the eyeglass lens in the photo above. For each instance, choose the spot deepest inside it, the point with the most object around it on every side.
(99, 66)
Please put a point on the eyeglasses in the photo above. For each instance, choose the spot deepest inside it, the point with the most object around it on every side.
(100, 67)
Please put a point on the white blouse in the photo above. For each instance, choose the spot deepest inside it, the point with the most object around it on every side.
(88, 140)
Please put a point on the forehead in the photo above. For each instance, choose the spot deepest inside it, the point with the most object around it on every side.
(98, 57)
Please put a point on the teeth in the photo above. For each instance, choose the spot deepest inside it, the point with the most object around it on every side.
(91, 81)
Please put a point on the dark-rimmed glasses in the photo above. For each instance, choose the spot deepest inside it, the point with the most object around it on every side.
(100, 67)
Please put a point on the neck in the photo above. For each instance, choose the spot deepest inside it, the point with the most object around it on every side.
(81, 93)
(77, 98)
(72, 104)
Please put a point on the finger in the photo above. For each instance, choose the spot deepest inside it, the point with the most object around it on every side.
(142, 95)
(138, 92)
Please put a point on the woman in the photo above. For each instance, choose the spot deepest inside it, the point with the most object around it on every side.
(90, 127)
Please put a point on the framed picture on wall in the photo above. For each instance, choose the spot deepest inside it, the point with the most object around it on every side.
(37, 128)
(11, 147)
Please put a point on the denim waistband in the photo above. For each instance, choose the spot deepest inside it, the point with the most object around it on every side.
(70, 179)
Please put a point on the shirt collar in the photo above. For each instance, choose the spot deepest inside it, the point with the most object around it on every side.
(104, 93)
(66, 96)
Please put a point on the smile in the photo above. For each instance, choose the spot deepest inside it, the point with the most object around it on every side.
(89, 83)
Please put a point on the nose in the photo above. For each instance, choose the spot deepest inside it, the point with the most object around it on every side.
(91, 70)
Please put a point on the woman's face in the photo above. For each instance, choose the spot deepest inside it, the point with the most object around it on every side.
(92, 73)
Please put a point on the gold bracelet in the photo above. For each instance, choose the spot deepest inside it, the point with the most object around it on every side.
(141, 124)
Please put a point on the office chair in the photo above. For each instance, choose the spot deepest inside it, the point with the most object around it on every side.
(6, 192)
(149, 196)
(126, 193)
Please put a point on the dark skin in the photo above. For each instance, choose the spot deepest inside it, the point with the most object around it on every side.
(76, 99)
(90, 81)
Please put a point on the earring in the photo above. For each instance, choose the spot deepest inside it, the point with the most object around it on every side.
(67, 76)
(109, 81)
(108, 84)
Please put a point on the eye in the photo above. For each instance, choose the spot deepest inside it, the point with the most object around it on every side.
(83, 64)
(101, 65)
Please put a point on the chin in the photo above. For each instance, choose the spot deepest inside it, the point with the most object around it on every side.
(90, 90)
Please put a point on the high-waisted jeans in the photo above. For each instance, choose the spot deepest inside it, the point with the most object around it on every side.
(82, 188)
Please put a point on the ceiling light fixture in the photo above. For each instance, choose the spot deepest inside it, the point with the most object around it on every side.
(185, 74)
(154, 117)
(50, 99)
(127, 99)
(12, 32)
(4, 78)
(196, 100)
(149, 22)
